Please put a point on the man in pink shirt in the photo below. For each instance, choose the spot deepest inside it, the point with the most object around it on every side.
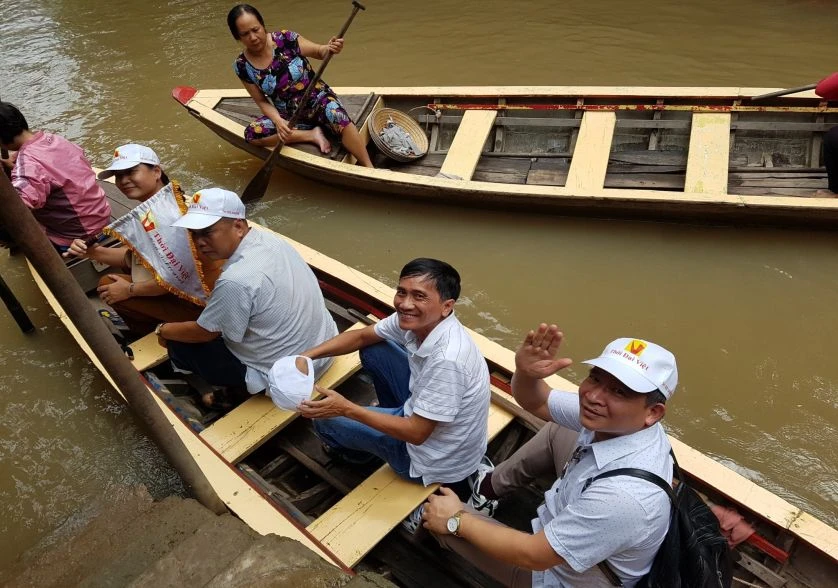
(54, 179)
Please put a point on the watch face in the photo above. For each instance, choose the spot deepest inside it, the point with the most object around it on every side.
(453, 524)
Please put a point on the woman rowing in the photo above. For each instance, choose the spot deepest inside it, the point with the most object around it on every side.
(135, 294)
(275, 71)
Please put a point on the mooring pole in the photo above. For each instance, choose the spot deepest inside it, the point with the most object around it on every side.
(31, 238)
(15, 309)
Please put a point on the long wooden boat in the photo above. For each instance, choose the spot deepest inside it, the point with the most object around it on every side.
(270, 470)
(694, 154)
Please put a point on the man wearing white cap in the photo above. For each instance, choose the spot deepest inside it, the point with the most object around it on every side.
(614, 422)
(265, 305)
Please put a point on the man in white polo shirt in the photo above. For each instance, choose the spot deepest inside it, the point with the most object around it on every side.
(265, 305)
(432, 383)
(613, 422)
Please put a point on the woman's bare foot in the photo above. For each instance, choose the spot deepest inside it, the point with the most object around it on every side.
(319, 139)
(825, 194)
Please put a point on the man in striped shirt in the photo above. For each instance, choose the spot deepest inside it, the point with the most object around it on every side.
(432, 383)
(266, 303)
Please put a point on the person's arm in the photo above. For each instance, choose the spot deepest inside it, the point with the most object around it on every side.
(413, 429)
(536, 359)
(317, 51)
(112, 256)
(186, 332)
(525, 550)
(9, 162)
(344, 343)
(121, 289)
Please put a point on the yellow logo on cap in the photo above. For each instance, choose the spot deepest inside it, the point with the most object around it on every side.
(636, 346)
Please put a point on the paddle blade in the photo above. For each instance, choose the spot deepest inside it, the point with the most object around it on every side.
(827, 88)
(257, 187)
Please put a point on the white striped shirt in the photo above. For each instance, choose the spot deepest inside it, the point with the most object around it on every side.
(267, 304)
(449, 383)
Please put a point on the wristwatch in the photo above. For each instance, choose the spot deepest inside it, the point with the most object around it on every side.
(453, 524)
(157, 329)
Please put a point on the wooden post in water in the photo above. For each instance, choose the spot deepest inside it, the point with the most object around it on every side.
(31, 238)
(15, 309)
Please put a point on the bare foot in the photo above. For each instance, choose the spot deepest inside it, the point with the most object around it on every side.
(825, 194)
(319, 139)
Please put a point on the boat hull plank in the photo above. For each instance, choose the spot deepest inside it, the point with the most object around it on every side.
(468, 143)
(248, 426)
(707, 163)
(590, 156)
(353, 526)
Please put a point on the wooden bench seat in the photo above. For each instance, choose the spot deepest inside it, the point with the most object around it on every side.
(148, 353)
(249, 425)
(709, 153)
(590, 155)
(353, 526)
(467, 145)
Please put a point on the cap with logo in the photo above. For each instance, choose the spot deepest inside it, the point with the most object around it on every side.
(288, 386)
(128, 156)
(208, 206)
(641, 365)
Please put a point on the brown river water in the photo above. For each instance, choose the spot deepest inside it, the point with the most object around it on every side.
(748, 312)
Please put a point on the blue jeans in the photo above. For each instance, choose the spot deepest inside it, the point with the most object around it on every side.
(387, 364)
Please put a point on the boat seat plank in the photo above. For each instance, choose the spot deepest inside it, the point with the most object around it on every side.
(467, 145)
(249, 425)
(353, 526)
(709, 153)
(147, 353)
(590, 156)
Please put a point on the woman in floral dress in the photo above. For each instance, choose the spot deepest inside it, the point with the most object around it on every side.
(275, 71)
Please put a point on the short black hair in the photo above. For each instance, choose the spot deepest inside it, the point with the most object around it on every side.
(445, 278)
(12, 122)
(655, 397)
(236, 12)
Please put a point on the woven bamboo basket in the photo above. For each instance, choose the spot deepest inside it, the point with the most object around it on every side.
(380, 117)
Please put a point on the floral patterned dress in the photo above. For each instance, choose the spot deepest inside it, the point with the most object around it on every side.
(284, 82)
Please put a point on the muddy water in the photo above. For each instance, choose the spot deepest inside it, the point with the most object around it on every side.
(748, 312)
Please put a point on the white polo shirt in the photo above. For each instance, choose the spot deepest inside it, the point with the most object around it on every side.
(267, 304)
(449, 383)
(622, 519)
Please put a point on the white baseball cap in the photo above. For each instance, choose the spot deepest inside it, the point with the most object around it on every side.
(288, 383)
(208, 206)
(641, 365)
(128, 156)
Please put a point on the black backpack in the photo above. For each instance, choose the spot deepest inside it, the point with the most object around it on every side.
(694, 554)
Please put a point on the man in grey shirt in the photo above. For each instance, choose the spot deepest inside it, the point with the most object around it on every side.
(614, 422)
(265, 305)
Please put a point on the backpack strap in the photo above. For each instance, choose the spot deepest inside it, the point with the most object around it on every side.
(609, 573)
(635, 473)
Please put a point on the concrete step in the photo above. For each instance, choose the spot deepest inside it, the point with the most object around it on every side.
(200, 557)
(51, 567)
(274, 561)
(143, 542)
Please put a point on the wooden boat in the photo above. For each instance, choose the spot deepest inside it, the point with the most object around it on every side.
(270, 470)
(694, 154)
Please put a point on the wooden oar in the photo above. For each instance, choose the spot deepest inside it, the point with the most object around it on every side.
(829, 83)
(259, 184)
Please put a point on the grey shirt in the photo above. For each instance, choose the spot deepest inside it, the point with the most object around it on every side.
(267, 304)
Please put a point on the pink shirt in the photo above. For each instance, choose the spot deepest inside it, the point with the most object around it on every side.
(55, 180)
